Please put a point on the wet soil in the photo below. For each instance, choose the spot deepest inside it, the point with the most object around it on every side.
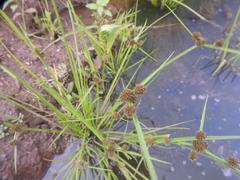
(33, 148)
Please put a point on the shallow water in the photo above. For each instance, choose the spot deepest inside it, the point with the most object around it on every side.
(179, 93)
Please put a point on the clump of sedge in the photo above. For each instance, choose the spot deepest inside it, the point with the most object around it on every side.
(233, 162)
(127, 96)
(129, 111)
(199, 39)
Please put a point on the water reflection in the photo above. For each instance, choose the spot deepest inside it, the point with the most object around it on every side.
(178, 94)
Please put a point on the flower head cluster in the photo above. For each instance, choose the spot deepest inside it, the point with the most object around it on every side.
(130, 97)
(233, 162)
(199, 145)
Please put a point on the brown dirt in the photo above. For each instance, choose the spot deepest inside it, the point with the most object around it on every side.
(33, 153)
(33, 148)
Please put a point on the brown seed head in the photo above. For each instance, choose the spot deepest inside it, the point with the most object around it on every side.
(199, 39)
(150, 140)
(233, 162)
(196, 35)
(193, 156)
(129, 111)
(96, 79)
(116, 116)
(219, 42)
(111, 149)
(167, 140)
(200, 145)
(139, 89)
(136, 42)
(200, 135)
(128, 95)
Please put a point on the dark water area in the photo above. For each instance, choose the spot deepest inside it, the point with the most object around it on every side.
(179, 92)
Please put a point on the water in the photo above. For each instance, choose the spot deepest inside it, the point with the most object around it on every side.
(179, 93)
(60, 164)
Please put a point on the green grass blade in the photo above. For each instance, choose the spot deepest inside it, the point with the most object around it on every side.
(151, 76)
(144, 149)
(203, 115)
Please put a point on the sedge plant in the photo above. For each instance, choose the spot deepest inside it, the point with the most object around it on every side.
(89, 106)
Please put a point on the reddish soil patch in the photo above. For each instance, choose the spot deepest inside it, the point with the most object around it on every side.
(33, 148)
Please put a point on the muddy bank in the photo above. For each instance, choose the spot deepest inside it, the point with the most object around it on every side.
(33, 155)
(33, 148)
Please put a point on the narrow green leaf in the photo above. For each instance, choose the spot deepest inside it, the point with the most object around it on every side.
(203, 115)
(144, 148)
